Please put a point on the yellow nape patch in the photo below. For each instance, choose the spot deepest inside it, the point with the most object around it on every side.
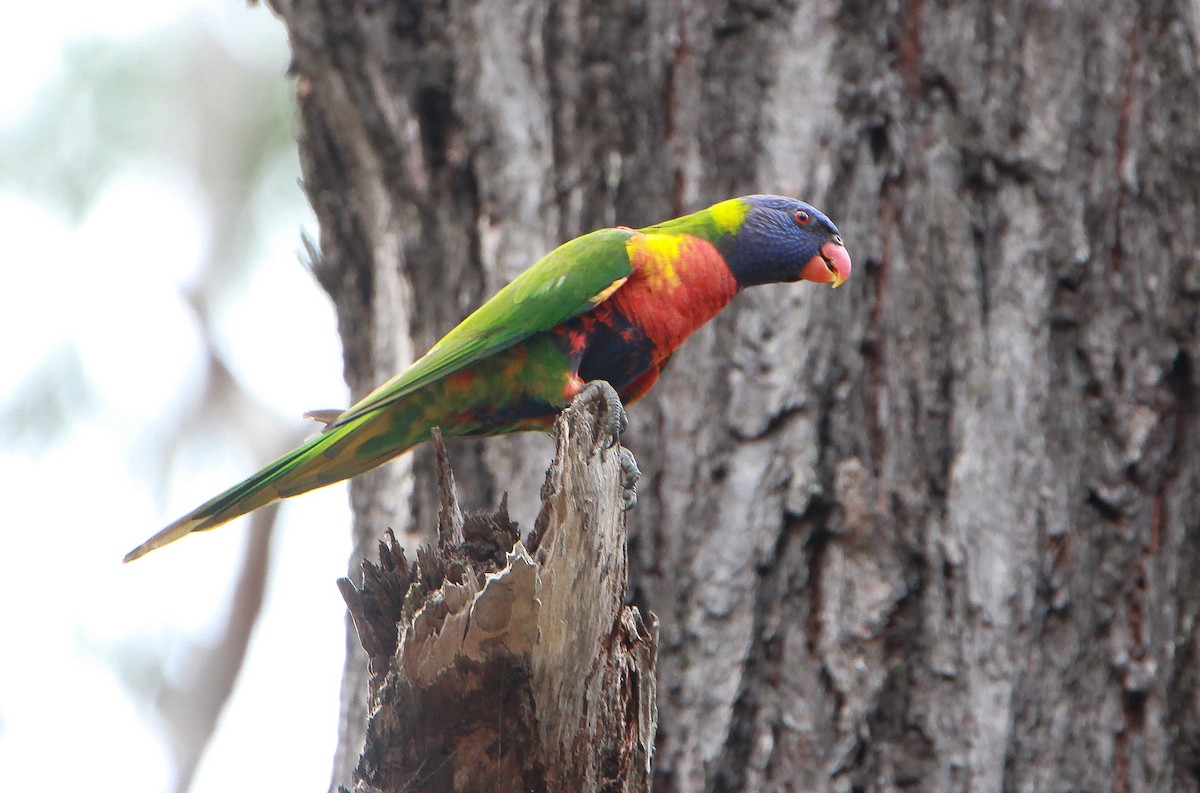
(728, 215)
(656, 255)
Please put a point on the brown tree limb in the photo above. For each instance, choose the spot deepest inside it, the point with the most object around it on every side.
(190, 708)
(504, 666)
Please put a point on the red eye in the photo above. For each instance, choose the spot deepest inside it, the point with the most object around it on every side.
(802, 217)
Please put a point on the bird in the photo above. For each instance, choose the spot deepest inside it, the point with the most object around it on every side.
(600, 314)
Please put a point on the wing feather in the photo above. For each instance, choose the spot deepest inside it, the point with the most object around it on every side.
(571, 279)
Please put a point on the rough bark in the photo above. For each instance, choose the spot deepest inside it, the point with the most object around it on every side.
(934, 531)
(507, 666)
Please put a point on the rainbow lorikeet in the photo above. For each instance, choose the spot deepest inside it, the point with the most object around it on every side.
(612, 305)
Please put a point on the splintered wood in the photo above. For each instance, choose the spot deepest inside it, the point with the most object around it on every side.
(501, 665)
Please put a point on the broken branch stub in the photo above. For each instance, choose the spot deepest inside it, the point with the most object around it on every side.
(501, 667)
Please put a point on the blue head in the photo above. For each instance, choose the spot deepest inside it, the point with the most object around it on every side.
(782, 239)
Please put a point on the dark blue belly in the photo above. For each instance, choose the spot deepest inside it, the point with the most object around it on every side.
(616, 351)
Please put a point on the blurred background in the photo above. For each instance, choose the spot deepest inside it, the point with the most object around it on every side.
(162, 337)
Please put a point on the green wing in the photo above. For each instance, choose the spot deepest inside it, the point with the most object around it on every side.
(568, 281)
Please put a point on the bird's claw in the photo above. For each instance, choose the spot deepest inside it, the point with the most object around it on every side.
(324, 416)
(615, 419)
(608, 435)
(630, 474)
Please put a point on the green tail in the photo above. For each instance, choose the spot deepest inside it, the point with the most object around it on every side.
(467, 403)
(330, 457)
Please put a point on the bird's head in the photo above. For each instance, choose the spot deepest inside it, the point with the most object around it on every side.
(782, 239)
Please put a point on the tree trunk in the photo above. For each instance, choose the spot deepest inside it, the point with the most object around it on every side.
(933, 531)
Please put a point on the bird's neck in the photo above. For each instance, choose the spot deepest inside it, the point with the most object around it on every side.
(713, 224)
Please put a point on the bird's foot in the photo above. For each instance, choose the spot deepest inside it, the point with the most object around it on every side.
(615, 420)
(630, 474)
(324, 416)
(608, 435)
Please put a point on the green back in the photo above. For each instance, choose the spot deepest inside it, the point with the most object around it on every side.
(564, 284)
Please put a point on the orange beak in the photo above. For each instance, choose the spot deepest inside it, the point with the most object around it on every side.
(830, 266)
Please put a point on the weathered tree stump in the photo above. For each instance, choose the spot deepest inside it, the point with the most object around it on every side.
(503, 665)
